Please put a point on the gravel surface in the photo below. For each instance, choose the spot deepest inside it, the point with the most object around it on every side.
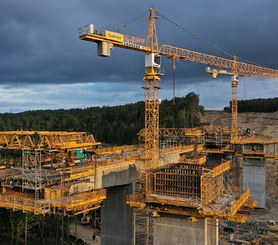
(84, 232)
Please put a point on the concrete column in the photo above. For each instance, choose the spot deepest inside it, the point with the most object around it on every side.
(254, 177)
(117, 217)
(212, 231)
(178, 230)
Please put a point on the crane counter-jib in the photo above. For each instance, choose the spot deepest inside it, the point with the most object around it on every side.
(88, 33)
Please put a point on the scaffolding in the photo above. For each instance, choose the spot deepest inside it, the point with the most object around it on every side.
(170, 137)
(43, 176)
(46, 140)
(192, 190)
(217, 136)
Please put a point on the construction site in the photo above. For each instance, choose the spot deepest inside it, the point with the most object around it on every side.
(180, 186)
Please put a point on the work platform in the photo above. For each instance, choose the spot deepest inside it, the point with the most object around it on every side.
(192, 190)
(62, 170)
(46, 140)
(65, 177)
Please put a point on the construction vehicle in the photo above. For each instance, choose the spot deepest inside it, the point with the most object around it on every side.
(91, 218)
(86, 218)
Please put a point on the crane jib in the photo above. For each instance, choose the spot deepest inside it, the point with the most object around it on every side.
(242, 68)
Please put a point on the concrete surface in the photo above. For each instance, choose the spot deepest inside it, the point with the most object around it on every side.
(84, 232)
(254, 177)
(123, 177)
(117, 217)
(179, 230)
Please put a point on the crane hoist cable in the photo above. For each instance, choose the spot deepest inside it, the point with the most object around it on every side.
(205, 41)
(125, 24)
(195, 35)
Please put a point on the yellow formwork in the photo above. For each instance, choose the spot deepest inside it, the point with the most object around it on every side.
(221, 168)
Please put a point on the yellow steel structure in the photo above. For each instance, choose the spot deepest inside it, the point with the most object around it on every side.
(234, 106)
(235, 72)
(46, 140)
(221, 168)
(234, 129)
(195, 159)
(80, 202)
(206, 197)
(175, 132)
(152, 86)
(76, 204)
(117, 149)
(152, 76)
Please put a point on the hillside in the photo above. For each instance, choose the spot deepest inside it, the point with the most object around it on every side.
(115, 125)
(264, 124)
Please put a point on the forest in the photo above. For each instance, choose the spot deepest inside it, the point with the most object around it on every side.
(115, 125)
(256, 105)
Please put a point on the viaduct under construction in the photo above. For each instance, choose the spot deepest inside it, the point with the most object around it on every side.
(173, 188)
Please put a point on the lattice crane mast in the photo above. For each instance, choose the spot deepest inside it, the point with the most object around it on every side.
(153, 51)
(234, 106)
(235, 73)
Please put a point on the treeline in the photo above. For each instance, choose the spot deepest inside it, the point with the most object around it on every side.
(110, 124)
(256, 105)
(17, 227)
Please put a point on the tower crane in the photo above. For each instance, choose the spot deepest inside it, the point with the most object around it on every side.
(234, 106)
(106, 40)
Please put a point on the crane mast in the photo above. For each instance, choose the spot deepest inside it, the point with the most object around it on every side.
(153, 52)
(107, 40)
(234, 103)
(151, 87)
(234, 128)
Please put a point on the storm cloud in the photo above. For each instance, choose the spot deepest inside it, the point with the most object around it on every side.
(40, 49)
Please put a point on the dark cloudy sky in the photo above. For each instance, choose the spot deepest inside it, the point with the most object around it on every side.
(43, 64)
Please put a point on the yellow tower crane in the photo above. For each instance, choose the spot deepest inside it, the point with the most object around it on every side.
(234, 106)
(235, 73)
(153, 51)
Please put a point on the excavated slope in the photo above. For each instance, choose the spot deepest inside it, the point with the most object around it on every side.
(263, 124)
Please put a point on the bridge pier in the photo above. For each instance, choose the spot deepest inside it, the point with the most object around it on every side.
(117, 217)
(174, 229)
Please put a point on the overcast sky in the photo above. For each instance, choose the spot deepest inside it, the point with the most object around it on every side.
(44, 65)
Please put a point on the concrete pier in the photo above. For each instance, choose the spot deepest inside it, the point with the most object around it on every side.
(254, 177)
(175, 230)
(117, 217)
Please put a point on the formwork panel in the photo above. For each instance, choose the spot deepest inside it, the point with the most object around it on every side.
(182, 181)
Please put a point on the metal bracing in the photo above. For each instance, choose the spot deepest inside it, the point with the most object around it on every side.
(152, 40)
(180, 188)
(234, 109)
(140, 227)
(149, 229)
(176, 132)
(45, 140)
(44, 176)
(243, 69)
(152, 85)
(31, 170)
